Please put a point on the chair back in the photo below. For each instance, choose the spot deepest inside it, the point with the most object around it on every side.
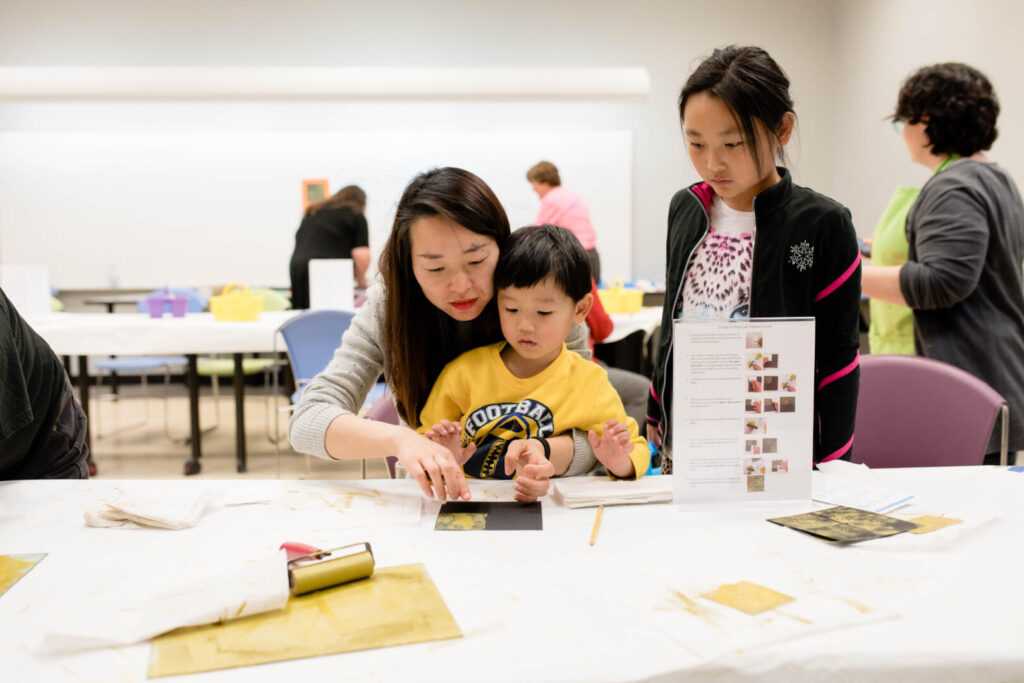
(918, 412)
(311, 339)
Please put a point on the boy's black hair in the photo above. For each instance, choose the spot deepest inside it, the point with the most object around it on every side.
(959, 104)
(750, 83)
(537, 252)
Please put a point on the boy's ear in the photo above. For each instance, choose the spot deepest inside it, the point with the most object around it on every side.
(583, 307)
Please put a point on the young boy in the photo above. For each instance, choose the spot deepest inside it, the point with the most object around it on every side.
(531, 386)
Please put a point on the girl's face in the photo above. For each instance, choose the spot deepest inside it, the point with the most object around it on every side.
(454, 266)
(722, 157)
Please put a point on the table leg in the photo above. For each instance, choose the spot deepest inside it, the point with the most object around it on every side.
(113, 373)
(192, 465)
(83, 396)
(239, 414)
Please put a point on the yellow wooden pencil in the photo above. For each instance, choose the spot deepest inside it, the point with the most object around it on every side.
(597, 524)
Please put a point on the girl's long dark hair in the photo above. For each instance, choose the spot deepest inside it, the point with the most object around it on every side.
(750, 83)
(419, 338)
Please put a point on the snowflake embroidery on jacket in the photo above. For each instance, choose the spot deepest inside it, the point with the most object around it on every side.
(801, 255)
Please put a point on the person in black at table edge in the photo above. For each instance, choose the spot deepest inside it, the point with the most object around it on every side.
(42, 426)
(333, 228)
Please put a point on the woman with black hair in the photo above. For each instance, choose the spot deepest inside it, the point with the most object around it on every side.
(435, 301)
(963, 276)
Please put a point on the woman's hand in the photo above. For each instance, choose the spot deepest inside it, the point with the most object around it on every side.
(449, 435)
(432, 466)
(612, 449)
(533, 471)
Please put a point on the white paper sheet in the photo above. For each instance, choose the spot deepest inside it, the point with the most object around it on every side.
(710, 630)
(850, 484)
(174, 508)
(581, 492)
(140, 610)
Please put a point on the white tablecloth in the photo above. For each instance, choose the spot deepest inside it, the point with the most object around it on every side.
(646, 319)
(89, 334)
(546, 606)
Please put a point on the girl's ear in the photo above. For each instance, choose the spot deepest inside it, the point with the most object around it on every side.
(583, 307)
(786, 127)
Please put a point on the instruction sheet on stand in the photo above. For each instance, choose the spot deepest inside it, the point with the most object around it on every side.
(743, 410)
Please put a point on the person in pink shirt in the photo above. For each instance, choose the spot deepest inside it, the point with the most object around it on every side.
(559, 206)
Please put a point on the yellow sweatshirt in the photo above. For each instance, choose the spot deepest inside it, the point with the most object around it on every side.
(495, 407)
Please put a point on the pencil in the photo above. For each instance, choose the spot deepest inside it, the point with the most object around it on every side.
(597, 524)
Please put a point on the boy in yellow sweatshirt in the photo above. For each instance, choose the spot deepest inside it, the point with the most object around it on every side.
(531, 387)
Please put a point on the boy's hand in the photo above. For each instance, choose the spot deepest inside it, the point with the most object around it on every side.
(449, 434)
(533, 471)
(612, 448)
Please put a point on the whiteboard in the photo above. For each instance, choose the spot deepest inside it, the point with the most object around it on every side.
(149, 209)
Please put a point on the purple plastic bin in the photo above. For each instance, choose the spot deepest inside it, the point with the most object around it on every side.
(157, 305)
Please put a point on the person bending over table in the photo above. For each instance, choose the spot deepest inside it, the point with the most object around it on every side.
(331, 229)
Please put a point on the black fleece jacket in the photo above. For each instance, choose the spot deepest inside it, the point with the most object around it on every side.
(806, 263)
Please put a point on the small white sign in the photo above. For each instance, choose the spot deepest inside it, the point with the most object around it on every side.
(331, 284)
(743, 410)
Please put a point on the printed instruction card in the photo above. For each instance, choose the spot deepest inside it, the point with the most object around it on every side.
(743, 410)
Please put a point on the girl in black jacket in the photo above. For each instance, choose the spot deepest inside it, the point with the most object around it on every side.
(749, 243)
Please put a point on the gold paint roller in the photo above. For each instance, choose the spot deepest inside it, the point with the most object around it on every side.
(326, 568)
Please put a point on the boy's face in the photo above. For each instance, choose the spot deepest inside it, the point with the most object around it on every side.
(536, 320)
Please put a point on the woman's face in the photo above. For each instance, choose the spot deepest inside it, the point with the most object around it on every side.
(453, 265)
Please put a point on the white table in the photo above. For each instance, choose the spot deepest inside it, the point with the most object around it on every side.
(101, 334)
(647, 319)
(546, 606)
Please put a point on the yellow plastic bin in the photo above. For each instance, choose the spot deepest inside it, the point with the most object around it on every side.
(236, 304)
(621, 300)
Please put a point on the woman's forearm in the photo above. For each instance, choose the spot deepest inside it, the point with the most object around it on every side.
(350, 437)
(561, 453)
(883, 283)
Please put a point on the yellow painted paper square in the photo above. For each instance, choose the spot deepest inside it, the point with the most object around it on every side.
(926, 524)
(461, 521)
(14, 567)
(748, 597)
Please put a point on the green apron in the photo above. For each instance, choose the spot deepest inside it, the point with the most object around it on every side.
(892, 325)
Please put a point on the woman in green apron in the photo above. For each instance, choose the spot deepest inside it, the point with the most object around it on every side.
(892, 325)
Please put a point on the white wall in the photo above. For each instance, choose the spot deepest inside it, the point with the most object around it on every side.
(667, 37)
(881, 42)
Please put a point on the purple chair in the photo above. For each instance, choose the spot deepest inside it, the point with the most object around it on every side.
(918, 412)
(384, 410)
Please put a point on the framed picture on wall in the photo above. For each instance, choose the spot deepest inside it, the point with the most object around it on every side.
(313, 191)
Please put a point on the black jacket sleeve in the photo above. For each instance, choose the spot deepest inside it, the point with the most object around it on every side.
(837, 337)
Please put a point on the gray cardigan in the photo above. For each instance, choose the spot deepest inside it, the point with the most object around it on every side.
(343, 386)
(963, 279)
